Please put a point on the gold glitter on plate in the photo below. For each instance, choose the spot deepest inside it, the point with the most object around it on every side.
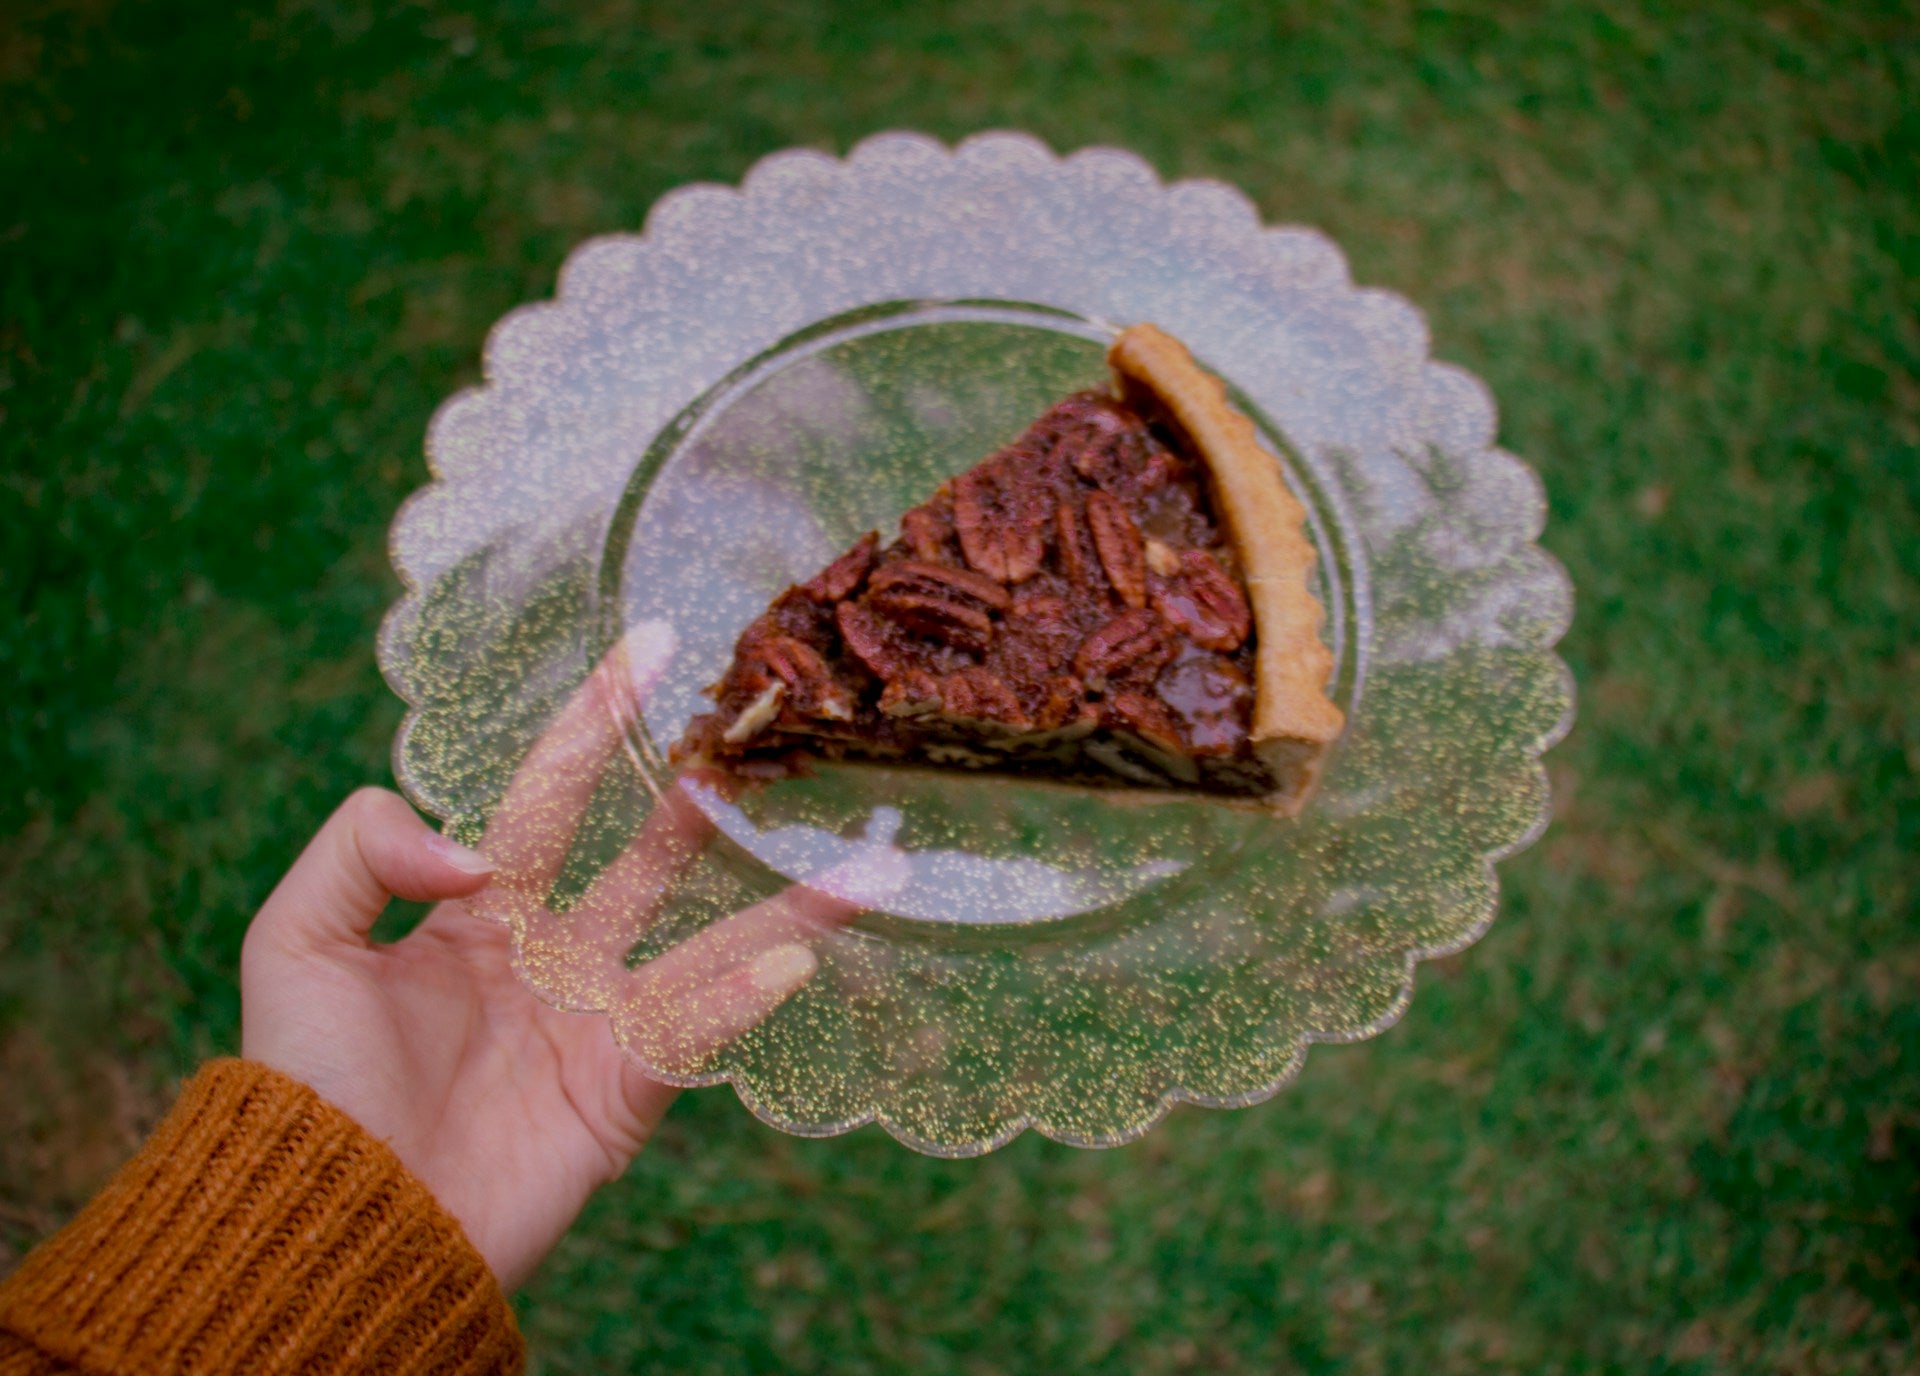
(713, 408)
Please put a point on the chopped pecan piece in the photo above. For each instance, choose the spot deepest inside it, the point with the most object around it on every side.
(1134, 646)
(1118, 540)
(843, 575)
(1001, 522)
(1202, 602)
(1161, 468)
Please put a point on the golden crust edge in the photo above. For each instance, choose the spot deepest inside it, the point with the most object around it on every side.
(1293, 719)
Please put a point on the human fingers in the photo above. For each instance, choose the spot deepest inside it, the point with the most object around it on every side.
(590, 941)
(700, 971)
(532, 830)
(671, 838)
(676, 1034)
(373, 847)
(620, 905)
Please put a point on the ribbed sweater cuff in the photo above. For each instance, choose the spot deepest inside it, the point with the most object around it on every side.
(262, 1229)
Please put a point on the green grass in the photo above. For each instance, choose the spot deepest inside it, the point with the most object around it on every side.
(1666, 1117)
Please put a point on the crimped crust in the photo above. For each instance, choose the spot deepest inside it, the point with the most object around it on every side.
(1293, 720)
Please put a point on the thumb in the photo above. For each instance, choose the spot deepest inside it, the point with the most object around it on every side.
(374, 847)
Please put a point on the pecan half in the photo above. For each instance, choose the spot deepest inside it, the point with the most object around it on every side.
(945, 604)
(1114, 449)
(1078, 558)
(844, 574)
(1142, 715)
(1101, 439)
(1121, 553)
(915, 693)
(1135, 645)
(870, 638)
(1202, 602)
(1062, 702)
(981, 695)
(940, 580)
(943, 619)
(1040, 627)
(928, 530)
(1001, 521)
(810, 684)
(1038, 606)
(794, 660)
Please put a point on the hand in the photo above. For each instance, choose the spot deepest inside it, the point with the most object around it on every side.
(510, 1112)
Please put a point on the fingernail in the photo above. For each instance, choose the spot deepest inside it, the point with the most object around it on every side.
(783, 969)
(453, 853)
(648, 646)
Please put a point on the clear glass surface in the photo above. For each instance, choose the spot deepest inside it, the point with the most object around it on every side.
(713, 409)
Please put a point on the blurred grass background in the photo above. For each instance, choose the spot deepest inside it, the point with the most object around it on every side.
(1666, 1117)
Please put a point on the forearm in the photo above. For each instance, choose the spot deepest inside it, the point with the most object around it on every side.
(259, 1230)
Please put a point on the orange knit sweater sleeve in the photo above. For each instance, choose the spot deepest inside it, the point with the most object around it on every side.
(260, 1229)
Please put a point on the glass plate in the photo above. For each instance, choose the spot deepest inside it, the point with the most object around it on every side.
(712, 409)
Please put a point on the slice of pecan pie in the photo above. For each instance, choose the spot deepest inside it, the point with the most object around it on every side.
(1118, 597)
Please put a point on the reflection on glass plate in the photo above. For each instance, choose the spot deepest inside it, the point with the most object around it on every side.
(712, 409)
